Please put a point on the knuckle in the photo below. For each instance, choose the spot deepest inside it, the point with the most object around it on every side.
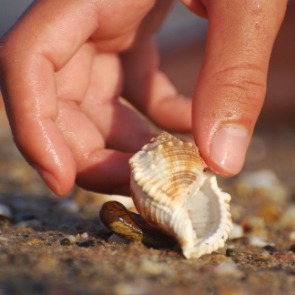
(245, 83)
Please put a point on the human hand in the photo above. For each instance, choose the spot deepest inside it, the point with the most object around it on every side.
(228, 97)
(62, 71)
(232, 83)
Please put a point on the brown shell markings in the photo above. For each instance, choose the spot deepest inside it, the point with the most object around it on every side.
(173, 192)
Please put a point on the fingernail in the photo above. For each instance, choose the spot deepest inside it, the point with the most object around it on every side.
(50, 180)
(229, 146)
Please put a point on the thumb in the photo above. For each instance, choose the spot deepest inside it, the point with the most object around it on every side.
(232, 82)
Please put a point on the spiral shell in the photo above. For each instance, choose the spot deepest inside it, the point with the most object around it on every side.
(172, 190)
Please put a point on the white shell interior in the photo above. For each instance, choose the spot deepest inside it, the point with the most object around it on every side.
(208, 210)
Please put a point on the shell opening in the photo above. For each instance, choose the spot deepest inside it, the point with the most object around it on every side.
(210, 223)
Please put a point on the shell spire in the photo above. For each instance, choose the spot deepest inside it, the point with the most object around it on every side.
(173, 192)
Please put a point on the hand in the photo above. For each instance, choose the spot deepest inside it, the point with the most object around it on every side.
(70, 67)
(232, 83)
(62, 72)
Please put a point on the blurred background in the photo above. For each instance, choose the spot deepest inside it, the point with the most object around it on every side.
(10, 11)
(182, 42)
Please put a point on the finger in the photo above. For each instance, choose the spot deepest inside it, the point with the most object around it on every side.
(123, 128)
(98, 169)
(32, 113)
(151, 91)
(232, 83)
(27, 81)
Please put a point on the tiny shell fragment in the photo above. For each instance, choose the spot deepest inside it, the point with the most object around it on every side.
(173, 192)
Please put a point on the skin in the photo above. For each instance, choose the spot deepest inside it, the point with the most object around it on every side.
(65, 63)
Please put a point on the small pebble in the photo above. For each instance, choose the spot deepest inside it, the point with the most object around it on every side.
(65, 242)
(264, 256)
(84, 235)
(152, 268)
(228, 268)
(231, 252)
(269, 248)
(71, 238)
(236, 232)
(86, 244)
(258, 241)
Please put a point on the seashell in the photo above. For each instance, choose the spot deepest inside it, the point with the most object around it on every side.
(172, 190)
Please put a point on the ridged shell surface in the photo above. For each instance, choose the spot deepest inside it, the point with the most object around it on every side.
(172, 191)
